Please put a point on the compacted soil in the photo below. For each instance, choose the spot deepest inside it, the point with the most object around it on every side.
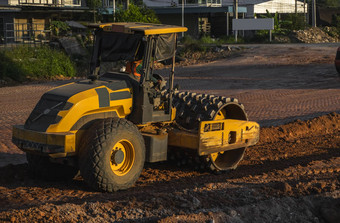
(291, 175)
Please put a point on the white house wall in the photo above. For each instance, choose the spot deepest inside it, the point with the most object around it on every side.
(9, 2)
(243, 2)
(282, 6)
(273, 6)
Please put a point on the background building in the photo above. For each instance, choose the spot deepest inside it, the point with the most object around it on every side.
(27, 20)
(213, 17)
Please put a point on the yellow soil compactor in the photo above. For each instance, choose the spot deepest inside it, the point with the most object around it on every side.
(107, 126)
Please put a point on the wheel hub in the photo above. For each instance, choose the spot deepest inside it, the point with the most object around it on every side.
(117, 157)
(122, 157)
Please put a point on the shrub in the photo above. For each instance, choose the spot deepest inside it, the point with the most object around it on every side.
(230, 39)
(336, 22)
(207, 39)
(25, 62)
(59, 27)
(192, 45)
(294, 22)
(9, 69)
(205, 43)
(136, 13)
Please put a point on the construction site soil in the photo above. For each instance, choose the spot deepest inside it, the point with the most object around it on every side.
(291, 175)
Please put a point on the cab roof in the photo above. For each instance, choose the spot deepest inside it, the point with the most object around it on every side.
(145, 28)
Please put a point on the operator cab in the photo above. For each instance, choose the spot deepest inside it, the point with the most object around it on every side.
(128, 51)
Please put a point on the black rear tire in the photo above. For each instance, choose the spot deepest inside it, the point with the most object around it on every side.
(102, 164)
(42, 167)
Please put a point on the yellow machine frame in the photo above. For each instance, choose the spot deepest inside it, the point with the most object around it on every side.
(217, 136)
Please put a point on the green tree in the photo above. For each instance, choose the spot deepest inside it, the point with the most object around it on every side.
(58, 27)
(136, 13)
(328, 3)
(276, 19)
(291, 21)
(94, 5)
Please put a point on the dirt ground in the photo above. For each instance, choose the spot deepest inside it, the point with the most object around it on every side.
(291, 175)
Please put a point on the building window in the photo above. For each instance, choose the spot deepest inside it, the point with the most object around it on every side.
(189, 1)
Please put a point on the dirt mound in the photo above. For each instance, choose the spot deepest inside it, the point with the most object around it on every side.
(293, 131)
(313, 35)
(210, 54)
(285, 177)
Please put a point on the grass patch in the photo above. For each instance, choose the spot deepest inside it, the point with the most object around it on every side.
(192, 45)
(205, 44)
(24, 62)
